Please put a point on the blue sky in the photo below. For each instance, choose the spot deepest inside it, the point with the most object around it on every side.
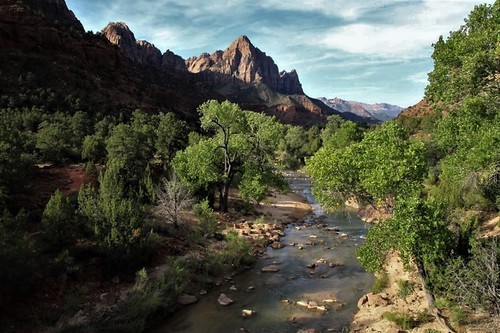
(363, 50)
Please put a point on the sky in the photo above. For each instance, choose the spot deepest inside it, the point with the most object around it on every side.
(362, 50)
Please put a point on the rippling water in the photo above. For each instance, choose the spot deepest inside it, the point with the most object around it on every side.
(345, 282)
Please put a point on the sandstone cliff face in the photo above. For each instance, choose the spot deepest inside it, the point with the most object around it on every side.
(243, 61)
(141, 51)
(56, 10)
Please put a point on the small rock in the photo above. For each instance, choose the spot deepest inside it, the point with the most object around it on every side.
(224, 300)
(313, 265)
(328, 301)
(116, 279)
(308, 330)
(301, 247)
(312, 305)
(302, 303)
(321, 261)
(203, 292)
(277, 245)
(343, 235)
(233, 288)
(270, 269)
(250, 288)
(187, 299)
(245, 313)
(362, 301)
(313, 236)
(376, 300)
(108, 298)
(321, 308)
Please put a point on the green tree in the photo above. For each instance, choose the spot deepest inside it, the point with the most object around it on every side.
(58, 221)
(171, 136)
(240, 139)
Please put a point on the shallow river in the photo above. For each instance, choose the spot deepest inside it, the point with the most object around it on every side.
(339, 277)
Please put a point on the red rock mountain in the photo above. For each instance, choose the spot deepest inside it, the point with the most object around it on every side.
(45, 39)
(243, 61)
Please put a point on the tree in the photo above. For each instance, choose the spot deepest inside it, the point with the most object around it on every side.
(172, 199)
(240, 140)
(58, 222)
(384, 165)
(171, 136)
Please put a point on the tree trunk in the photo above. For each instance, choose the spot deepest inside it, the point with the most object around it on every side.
(430, 299)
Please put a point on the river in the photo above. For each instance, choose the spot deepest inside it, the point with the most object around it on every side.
(337, 277)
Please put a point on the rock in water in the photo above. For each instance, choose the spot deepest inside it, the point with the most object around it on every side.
(224, 300)
(247, 313)
(270, 269)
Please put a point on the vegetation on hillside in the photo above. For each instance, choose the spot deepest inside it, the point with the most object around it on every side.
(438, 185)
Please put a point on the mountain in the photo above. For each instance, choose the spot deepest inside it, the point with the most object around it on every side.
(378, 111)
(114, 71)
(243, 61)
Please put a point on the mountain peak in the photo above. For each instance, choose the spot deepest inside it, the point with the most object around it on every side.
(378, 111)
(245, 62)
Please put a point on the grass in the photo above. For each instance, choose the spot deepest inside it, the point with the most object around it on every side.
(407, 321)
(380, 283)
(405, 288)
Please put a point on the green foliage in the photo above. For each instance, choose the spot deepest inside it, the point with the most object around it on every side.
(171, 136)
(384, 165)
(405, 320)
(207, 223)
(465, 63)
(58, 221)
(417, 231)
(244, 144)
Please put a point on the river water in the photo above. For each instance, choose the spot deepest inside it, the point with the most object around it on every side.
(337, 277)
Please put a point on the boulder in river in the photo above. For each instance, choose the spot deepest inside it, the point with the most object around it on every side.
(277, 245)
(224, 300)
(247, 313)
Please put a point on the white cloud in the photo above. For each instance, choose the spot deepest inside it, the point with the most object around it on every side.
(420, 77)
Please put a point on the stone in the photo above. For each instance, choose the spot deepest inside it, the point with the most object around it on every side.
(376, 300)
(328, 301)
(321, 308)
(312, 305)
(250, 288)
(302, 303)
(233, 288)
(362, 301)
(247, 313)
(313, 265)
(108, 298)
(224, 300)
(277, 245)
(308, 330)
(270, 269)
(187, 299)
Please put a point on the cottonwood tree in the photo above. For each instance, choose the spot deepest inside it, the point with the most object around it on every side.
(239, 140)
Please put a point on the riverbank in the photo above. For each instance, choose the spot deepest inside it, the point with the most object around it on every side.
(261, 226)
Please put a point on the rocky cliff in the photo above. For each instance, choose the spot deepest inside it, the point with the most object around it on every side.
(141, 51)
(56, 11)
(243, 61)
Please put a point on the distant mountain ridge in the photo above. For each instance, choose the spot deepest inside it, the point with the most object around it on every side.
(378, 111)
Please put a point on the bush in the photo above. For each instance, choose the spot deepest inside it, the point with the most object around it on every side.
(207, 225)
